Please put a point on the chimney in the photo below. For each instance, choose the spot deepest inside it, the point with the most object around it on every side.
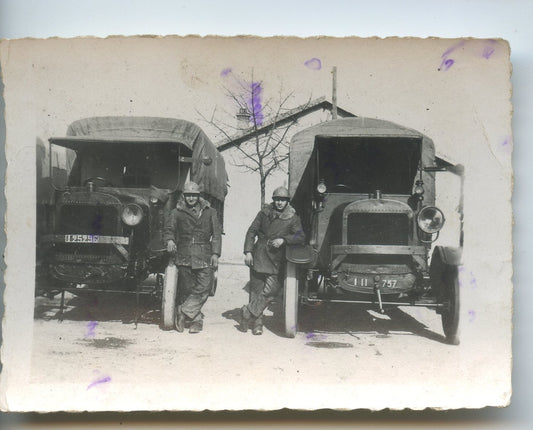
(243, 119)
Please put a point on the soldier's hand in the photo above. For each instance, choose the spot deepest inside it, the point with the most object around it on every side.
(249, 259)
(214, 261)
(276, 243)
(171, 247)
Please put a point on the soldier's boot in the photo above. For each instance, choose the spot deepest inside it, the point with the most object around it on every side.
(246, 317)
(179, 320)
(257, 328)
(197, 324)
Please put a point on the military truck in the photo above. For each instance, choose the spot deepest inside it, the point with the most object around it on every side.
(104, 227)
(365, 191)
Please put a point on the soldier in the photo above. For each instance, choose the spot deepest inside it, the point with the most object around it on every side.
(275, 226)
(193, 234)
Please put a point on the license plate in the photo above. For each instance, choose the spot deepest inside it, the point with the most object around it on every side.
(365, 282)
(81, 238)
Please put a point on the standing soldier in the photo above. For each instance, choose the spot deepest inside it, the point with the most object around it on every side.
(275, 226)
(193, 234)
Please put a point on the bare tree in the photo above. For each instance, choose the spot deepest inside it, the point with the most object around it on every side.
(265, 123)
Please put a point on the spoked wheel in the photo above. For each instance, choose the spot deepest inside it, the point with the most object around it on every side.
(168, 300)
(290, 300)
(451, 300)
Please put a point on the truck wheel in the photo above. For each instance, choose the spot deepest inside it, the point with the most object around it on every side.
(290, 300)
(168, 300)
(451, 300)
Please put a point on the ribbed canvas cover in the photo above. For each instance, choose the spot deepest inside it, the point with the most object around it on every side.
(302, 144)
(211, 178)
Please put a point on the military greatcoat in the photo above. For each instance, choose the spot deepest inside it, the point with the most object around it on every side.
(270, 224)
(197, 234)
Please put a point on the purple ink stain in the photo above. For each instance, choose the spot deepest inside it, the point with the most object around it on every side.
(473, 282)
(471, 316)
(97, 224)
(449, 62)
(466, 278)
(99, 381)
(225, 72)
(91, 325)
(310, 336)
(313, 64)
(299, 235)
(487, 52)
(506, 144)
(254, 103)
(453, 48)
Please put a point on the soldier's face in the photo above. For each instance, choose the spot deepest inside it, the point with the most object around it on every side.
(280, 204)
(191, 199)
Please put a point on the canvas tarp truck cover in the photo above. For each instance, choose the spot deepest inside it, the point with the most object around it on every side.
(211, 177)
(303, 143)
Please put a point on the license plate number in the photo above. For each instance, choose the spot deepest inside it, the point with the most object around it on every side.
(389, 283)
(384, 283)
(361, 282)
(81, 238)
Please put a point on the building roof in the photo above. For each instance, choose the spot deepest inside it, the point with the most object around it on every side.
(290, 115)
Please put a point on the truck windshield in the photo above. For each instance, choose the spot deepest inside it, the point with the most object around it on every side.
(363, 165)
(129, 165)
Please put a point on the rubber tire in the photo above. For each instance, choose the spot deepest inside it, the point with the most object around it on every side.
(290, 300)
(450, 316)
(168, 299)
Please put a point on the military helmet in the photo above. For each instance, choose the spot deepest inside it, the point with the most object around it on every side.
(281, 193)
(191, 188)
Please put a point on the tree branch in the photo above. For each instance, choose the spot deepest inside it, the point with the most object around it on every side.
(265, 148)
(225, 133)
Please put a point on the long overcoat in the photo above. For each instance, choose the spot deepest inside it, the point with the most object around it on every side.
(270, 224)
(197, 237)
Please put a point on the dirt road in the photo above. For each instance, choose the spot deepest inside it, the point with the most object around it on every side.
(98, 345)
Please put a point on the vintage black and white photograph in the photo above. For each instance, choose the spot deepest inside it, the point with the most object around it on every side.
(257, 223)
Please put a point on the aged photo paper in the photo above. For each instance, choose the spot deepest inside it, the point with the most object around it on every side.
(395, 291)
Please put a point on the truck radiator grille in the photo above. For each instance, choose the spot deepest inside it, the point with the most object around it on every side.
(84, 219)
(378, 229)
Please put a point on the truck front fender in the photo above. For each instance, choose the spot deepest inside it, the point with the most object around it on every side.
(449, 255)
(300, 254)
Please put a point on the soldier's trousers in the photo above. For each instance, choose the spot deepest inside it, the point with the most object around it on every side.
(194, 286)
(264, 287)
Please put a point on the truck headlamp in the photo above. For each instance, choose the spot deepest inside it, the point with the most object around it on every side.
(132, 214)
(430, 220)
(321, 187)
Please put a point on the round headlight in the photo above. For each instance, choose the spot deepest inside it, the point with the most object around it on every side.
(430, 219)
(321, 188)
(132, 214)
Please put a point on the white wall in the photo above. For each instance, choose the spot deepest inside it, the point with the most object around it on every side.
(244, 196)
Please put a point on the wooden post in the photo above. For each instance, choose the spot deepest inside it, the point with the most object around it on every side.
(334, 94)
